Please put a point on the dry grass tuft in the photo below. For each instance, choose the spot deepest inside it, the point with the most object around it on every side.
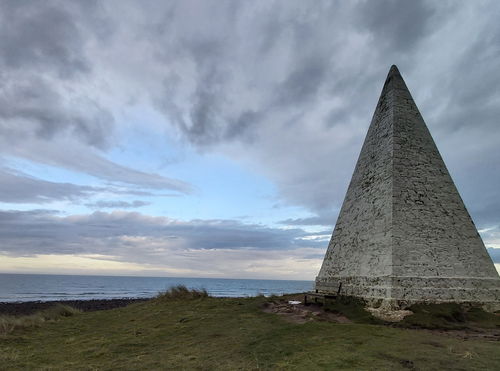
(182, 292)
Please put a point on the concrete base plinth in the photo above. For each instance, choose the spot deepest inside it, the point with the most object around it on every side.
(401, 292)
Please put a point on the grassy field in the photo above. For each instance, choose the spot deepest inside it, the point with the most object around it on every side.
(198, 332)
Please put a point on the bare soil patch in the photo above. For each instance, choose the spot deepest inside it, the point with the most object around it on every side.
(300, 313)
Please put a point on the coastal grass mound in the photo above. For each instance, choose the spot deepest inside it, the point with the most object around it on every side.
(182, 329)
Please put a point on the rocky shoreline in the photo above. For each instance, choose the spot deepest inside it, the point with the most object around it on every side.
(29, 307)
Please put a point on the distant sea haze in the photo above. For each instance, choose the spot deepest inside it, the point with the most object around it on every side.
(40, 287)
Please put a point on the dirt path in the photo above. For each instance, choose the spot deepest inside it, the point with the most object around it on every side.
(300, 313)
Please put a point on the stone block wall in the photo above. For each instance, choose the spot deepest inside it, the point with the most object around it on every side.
(403, 233)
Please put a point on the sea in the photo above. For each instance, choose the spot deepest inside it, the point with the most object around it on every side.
(44, 287)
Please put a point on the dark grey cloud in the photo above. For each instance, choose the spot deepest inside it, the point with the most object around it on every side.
(325, 217)
(324, 220)
(220, 247)
(209, 116)
(72, 155)
(44, 61)
(32, 106)
(292, 61)
(465, 122)
(471, 88)
(396, 25)
(304, 81)
(16, 187)
(101, 204)
(123, 233)
(41, 36)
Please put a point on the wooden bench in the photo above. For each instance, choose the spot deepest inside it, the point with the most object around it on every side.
(316, 297)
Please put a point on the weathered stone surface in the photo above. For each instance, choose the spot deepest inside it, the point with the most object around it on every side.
(403, 234)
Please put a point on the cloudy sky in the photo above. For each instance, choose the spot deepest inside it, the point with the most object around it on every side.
(217, 138)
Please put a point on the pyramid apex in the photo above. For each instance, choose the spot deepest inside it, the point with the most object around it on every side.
(394, 68)
(394, 80)
(393, 71)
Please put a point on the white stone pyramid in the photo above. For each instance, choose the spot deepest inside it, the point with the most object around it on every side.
(403, 234)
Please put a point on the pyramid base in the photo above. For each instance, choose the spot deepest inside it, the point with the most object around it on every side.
(401, 292)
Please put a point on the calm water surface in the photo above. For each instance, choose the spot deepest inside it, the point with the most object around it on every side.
(28, 287)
